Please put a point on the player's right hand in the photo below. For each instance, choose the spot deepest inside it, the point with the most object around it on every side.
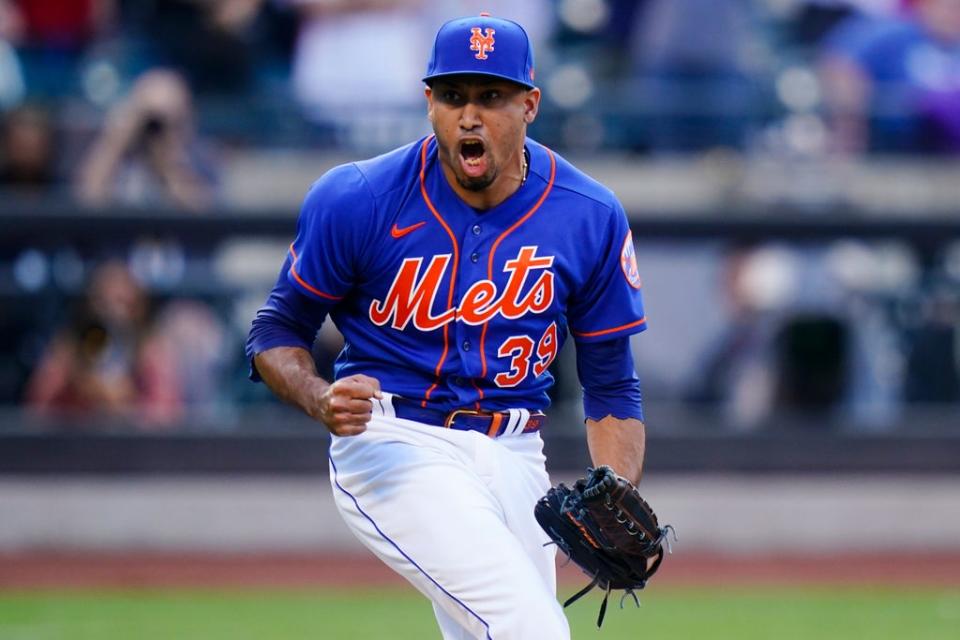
(346, 405)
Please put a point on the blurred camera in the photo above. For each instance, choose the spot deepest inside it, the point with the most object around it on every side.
(154, 125)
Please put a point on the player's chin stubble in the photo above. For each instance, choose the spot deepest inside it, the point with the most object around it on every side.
(480, 182)
(476, 184)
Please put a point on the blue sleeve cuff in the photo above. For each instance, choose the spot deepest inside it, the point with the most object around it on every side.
(609, 380)
(288, 319)
(271, 330)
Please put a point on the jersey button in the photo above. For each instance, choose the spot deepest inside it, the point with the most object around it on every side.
(476, 229)
(466, 345)
(474, 257)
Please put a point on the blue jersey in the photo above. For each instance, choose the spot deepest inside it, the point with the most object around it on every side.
(455, 307)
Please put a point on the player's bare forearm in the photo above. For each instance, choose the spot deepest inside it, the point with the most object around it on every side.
(618, 443)
(344, 407)
(292, 375)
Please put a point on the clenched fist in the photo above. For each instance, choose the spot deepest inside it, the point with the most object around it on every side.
(345, 406)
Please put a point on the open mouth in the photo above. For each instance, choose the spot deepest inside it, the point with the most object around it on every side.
(473, 157)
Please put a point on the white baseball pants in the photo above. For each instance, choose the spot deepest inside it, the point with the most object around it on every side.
(452, 512)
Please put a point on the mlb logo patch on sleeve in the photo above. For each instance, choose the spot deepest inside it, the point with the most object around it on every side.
(628, 262)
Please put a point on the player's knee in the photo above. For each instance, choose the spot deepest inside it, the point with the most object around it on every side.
(533, 617)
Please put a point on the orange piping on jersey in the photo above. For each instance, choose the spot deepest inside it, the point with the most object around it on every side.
(476, 405)
(303, 283)
(443, 356)
(426, 396)
(453, 274)
(604, 332)
(493, 250)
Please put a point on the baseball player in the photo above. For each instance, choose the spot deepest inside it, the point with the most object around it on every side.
(456, 267)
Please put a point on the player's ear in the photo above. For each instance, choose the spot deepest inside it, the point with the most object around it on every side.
(428, 94)
(531, 105)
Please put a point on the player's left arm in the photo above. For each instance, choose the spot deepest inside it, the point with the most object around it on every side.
(602, 316)
(616, 434)
(612, 403)
(619, 443)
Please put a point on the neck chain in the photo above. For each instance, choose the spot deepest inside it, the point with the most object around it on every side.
(523, 167)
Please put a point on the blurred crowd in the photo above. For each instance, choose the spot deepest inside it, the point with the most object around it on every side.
(844, 332)
(137, 97)
(118, 105)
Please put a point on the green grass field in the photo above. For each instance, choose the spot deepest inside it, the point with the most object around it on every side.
(677, 613)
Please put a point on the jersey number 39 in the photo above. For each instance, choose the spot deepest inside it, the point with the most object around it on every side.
(520, 350)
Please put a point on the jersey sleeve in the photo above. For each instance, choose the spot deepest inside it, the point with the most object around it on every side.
(288, 319)
(325, 257)
(609, 380)
(610, 303)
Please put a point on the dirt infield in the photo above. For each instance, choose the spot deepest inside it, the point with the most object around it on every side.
(139, 570)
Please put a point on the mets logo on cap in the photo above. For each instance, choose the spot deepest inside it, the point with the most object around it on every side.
(481, 43)
(628, 262)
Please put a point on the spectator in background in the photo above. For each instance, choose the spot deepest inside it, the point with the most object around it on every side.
(811, 20)
(12, 87)
(148, 153)
(389, 40)
(893, 85)
(738, 372)
(66, 26)
(108, 363)
(210, 42)
(197, 342)
(690, 61)
(385, 38)
(26, 153)
(55, 35)
(933, 348)
(785, 354)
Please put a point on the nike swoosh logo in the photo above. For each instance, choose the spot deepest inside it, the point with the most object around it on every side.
(397, 232)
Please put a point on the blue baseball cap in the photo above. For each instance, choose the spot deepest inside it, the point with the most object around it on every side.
(482, 45)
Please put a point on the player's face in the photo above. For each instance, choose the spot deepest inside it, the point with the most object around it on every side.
(480, 126)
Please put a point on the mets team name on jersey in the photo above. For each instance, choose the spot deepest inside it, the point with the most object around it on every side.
(454, 307)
